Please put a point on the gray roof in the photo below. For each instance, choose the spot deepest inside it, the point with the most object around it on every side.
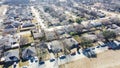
(56, 45)
(12, 55)
(30, 51)
(9, 27)
(25, 25)
(90, 36)
(70, 42)
(50, 35)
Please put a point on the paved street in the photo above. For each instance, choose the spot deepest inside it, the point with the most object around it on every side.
(37, 16)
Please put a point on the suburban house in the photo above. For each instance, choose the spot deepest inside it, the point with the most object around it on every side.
(56, 46)
(71, 43)
(9, 41)
(27, 26)
(28, 52)
(10, 29)
(37, 34)
(91, 37)
(11, 56)
(50, 35)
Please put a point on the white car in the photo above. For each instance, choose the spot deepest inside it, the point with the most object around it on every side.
(24, 67)
(36, 59)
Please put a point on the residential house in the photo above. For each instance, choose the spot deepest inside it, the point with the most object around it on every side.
(11, 56)
(28, 52)
(91, 37)
(56, 46)
(71, 43)
(9, 41)
(27, 26)
(37, 34)
(50, 35)
(69, 28)
(10, 29)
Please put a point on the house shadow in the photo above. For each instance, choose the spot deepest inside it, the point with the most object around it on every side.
(8, 64)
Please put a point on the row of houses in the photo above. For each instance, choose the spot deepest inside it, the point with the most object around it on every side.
(15, 55)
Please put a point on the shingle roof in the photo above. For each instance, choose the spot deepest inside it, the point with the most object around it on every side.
(9, 27)
(12, 55)
(30, 51)
(27, 25)
(16, 25)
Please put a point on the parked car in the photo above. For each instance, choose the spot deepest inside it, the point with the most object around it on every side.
(14, 65)
(78, 52)
(86, 53)
(52, 60)
(62, 57)
(103, 45)
(24, 67)
(111, 45)
(41, 62)
(73, 54)
(89, 53)
(36, 59)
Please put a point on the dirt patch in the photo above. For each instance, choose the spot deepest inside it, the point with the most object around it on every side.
(108, 59)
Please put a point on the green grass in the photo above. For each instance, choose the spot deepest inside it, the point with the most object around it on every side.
(77, 38)
(21, 64)
(1, 66)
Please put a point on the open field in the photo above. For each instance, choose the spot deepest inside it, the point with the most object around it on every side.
(108, 59)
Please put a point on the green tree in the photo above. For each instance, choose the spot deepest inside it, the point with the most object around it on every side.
(108, 34)
(71, 21)
(72, 33)
(79, 20)
(85, 43)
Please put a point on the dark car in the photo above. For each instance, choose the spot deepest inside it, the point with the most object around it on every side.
(98, 47)
(52, 60)
(89, 53)
(78, 52)
(62, 57)
(73, 54)
(111, 45)
(41, 62)
(86, 52)
(103, 45)
(93, 54)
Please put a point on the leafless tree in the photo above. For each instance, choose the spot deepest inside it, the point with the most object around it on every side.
(23, 40)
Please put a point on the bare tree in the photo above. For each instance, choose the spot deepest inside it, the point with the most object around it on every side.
(78, 28)
(23, 40)
(115, 20)
(106, 22)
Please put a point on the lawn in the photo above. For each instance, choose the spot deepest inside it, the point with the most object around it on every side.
(21, 64)
(77, 38)
(45, 55)
(1, 66)
(34, 21)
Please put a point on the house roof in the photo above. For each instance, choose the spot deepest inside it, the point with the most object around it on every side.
(12, 55)
(70, 42)
(16, 25)
(114, 26)
(27, 25)
(30, 51)
(50, 35)
(56, 46)
(9, 27)
(90, 36)
(69, 28)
